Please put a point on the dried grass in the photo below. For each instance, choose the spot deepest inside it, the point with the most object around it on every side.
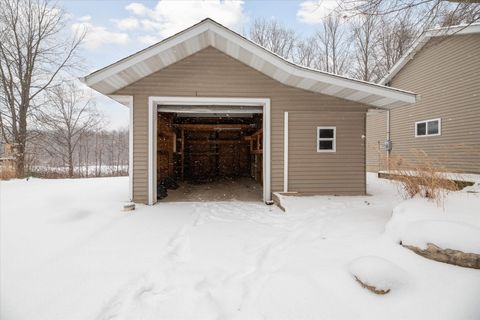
(7, 174)
(422, 175)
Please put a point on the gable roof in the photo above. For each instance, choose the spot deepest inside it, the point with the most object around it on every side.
(423, 39)
(210, 33)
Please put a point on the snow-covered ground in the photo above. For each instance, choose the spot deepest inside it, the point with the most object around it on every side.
(68, 252)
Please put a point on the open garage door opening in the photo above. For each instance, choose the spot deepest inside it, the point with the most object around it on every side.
(209, 153)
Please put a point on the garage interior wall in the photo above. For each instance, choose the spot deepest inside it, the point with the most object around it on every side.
(205, 148)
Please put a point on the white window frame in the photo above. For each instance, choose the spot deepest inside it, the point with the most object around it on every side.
(334, 139)
(426, 128)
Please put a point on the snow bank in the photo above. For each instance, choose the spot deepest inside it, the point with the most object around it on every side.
(379, 273)
(475, 188)
(455, 225)
(444, 234)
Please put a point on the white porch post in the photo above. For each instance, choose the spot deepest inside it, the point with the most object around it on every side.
(285, 152)
(152, 151)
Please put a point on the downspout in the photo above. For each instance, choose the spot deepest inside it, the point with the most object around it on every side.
(388, 144)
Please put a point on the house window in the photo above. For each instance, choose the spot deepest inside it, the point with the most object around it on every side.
(326, 139)
(426, 128)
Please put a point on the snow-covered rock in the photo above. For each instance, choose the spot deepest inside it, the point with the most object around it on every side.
(449, 232)
(454, 225)
(445, 234)
(377, 274)
(455, 257)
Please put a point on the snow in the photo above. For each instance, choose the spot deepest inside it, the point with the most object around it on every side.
(378, 272)
(455, 224)
(68, 251)
(444, 234)
(475, 188)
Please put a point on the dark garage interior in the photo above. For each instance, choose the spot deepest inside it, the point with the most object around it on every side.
(209, 156)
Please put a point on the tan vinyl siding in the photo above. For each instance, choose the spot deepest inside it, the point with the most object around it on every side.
(376, 136)
(341, 172)
(210, 73)
(446, 75)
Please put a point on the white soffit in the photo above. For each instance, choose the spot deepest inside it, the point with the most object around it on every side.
(209, 33)
(423, 39)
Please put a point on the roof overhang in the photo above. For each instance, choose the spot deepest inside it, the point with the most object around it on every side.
(423, 39)
(209, 33)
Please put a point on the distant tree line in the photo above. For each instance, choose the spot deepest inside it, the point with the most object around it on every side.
(97, 153)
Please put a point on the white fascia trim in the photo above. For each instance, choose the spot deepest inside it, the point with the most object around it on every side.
(422, 40)
(144, 55)
(285, 152)
(153, 103)
(128, 102)
(262, 53)
(307, 73)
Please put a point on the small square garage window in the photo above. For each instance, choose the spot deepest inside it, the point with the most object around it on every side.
(326, 139)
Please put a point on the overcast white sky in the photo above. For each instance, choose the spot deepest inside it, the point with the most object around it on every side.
(118, 28)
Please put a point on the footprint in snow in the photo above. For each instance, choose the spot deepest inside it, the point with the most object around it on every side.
(180, 246)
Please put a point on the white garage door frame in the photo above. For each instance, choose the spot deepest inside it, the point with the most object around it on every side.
(155, 102)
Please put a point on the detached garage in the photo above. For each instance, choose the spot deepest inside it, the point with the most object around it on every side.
(208, 105)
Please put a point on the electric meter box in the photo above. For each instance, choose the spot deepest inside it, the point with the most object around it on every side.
(387, 145)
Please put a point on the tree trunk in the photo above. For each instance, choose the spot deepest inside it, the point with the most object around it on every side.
(70, 161)
(20, 164)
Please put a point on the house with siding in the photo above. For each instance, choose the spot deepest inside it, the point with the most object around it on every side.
(443, 68)
(209, 104)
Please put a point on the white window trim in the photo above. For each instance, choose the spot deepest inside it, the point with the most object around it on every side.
(334, 139)
(426, 128)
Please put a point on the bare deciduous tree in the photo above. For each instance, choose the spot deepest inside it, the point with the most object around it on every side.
(69, 114)
(306, 53)
(33, 51)
(393, 40)
(462, 13)
(429, 10)
(273, 36)
(334, 45)
(380, 31)
(364, 39)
